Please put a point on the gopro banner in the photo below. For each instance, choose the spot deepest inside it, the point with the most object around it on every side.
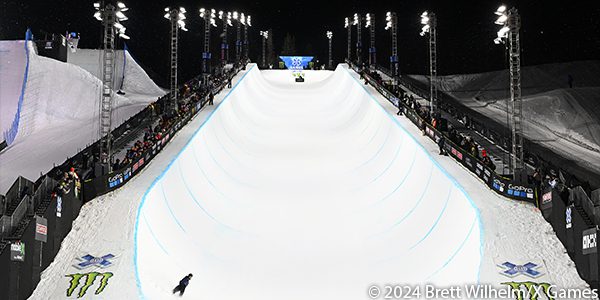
(296, 62)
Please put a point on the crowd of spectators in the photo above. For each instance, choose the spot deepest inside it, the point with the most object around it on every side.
(465, 142)
(192, 92)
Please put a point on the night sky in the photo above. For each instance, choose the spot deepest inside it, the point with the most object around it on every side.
(553, 31)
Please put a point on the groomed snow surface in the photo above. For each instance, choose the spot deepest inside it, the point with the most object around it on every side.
(303, 191)
(59, 114)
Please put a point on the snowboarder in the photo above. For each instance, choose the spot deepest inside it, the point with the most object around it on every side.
(400, 108)
(211, 97)
(229, 82)
(183, 283)
(440, 143)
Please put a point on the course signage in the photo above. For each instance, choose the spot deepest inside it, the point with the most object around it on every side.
(17, 251)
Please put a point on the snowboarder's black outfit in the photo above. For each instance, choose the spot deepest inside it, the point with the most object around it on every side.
(211, 97)
(183, 283)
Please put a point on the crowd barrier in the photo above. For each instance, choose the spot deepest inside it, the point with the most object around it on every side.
(27, 254)
(498, 183)
(35, 239)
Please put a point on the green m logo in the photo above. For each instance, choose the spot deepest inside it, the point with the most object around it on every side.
(89, 280)
(531, 291)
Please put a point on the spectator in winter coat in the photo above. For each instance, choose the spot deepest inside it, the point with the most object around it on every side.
(183, 283)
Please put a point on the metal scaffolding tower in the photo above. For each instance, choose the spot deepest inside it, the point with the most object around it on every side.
(176, 17)
(238, 38)
(370, 23)
(209, 20)
(514, 22)
(110, 16)
(511, 25)
(429, 21)
(358, 23)
(392, 25)
(265, 35)
(330, 60)
(248, 23)
(348, 26)
(226, 17)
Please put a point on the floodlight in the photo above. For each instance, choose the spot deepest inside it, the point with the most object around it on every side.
(167, 16)
(235, 15)
(329, 34)
(424, 14)
(426, 28)
(96, 4)
(346, 22)
(120, 15)
(181, 23)
(503, 31)
(249, 21)
(424, 20)
(121, 5)
(97, 16)
(501, 10)
(167, 9)
(119, 25)
(502, 20)
(124, 36)
(220, 15)
(181, 16)
(181, 9)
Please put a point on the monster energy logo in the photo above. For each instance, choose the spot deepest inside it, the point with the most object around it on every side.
(89, 279)
(532, 291)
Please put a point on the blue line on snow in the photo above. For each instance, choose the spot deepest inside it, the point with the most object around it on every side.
(137, 219)
(452, 179)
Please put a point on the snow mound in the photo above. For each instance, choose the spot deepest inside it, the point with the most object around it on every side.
(564, 119)
(59, 116)
(13, 60)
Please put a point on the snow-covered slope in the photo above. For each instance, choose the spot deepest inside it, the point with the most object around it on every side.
(13, 62)
(282, 191)
(564, 119)
(59, 116)
(133, 80)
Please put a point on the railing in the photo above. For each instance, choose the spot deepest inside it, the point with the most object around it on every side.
(9, 223)
(498, 183)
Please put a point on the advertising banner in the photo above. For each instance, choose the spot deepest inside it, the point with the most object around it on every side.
(589, 241)
(41, 229)
(17, 251)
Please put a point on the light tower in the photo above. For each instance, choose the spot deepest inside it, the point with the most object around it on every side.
(348, 26)
(429, 22)
(265, 35)
(370, 23)
(111, 17)
(511, 25)
(358, 23)
(209, 20)
(247, 24)
(392, 25)
(329, 35)
(177, 17)
(226, 18)
(238, 38)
